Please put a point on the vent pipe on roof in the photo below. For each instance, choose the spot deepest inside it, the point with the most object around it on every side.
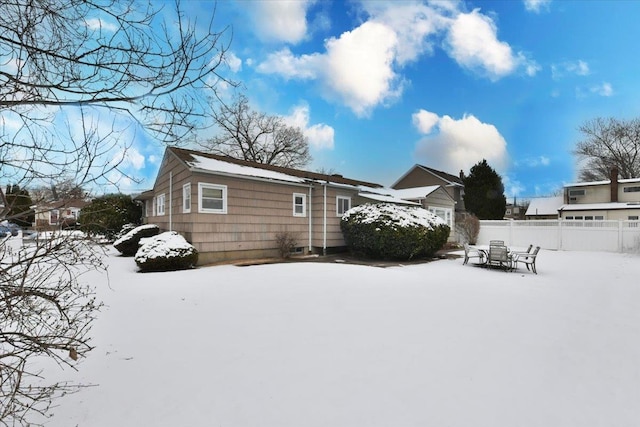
(614, 184)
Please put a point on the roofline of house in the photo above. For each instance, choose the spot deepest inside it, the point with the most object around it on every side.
(298, 173)
(432, 172)
(598, 207)
(606, 182)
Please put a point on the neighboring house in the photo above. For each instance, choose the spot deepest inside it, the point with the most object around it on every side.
(52, 215)
(422, 176)
(544, 207)
(514, 211)
(614, 199)
(233, 209)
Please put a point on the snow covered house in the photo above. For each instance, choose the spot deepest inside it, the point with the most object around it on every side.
(421, 176)
(544, 207)
(234, 209)
(613, 199)
(56, 214)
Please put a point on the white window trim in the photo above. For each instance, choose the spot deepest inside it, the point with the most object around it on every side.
(186, 195)
(201, 186)
(338, 198)
(159, 205)
(448, 214)
(304, 204)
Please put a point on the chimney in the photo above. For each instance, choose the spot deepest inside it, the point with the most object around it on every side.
(614, 184)
(461, 174)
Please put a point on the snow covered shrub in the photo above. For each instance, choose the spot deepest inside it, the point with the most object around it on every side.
(166, 252)
(393, 232)
(128, 244)
(125, 229)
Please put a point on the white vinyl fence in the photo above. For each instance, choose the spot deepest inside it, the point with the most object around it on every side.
(608, 236)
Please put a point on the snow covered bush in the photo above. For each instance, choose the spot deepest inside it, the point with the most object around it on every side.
(393, 232)
(166, 252)
(128, 244)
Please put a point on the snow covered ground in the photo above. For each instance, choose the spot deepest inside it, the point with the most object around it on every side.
(313, 344)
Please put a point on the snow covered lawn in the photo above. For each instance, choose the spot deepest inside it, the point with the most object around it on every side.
(312, 344)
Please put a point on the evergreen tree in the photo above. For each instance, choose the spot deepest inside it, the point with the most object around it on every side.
(484, 192)
(19, 206)
(109, 213)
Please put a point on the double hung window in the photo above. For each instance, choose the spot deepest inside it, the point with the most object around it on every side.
(299, 204)
(212, 198)
(343, 204)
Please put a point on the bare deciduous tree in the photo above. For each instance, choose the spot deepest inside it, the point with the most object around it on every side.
(608, 143)
(250, 135)
(78, 80)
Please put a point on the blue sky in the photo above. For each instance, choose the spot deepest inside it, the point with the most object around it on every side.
(382, 85)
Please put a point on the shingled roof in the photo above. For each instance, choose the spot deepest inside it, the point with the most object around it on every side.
(446, 176)
(189, 157)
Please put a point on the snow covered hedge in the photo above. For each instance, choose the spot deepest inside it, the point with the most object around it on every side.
(166, 252)
(390, 231)
(128, 244)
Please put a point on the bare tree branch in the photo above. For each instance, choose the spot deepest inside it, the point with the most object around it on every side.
(78, 80)
(608, 143)
(250, 135)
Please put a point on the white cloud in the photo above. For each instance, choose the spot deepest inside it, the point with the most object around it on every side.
(424, 121)
(133, 158)
(579, 68)
(534, 162)
(604, 89)
(234, 63)
(536, 6)
(362, 68)
(289, 66)
(413, 23)
(359, 67)
(460, 144)
(356, 68)
(99, 24)
(511, 187)
(320, 136)
(473, 43)
(280, 21)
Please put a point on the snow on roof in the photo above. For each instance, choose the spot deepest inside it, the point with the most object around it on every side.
(598, 206)
(415, 192)
(545, 205)
(212, 163)
(607, 182)
(205, 163)
(385, 198)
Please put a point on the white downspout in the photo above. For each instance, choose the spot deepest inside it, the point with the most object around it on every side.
(309, 209)
(170, 200)
(324, 225)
